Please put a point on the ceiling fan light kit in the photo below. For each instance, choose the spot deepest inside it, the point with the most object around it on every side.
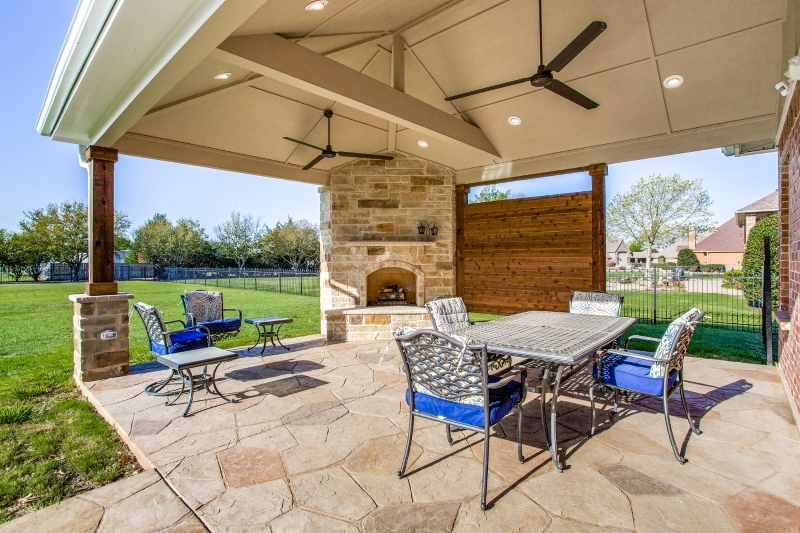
(328, 152)
(544, 74)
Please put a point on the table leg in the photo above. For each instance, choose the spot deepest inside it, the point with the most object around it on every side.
(263, 333)
(543, 403)
(154, 389)
(277, 336)
(213, 382)
(553, 418)
(258, 337)
(191, 392)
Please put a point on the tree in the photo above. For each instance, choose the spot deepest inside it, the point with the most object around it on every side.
(491, 194)
(11, 254)
(239, 238)
(687, 258)
(163, 244)
(659, 210)
(753, 261)
(295, 244)
(64, 230)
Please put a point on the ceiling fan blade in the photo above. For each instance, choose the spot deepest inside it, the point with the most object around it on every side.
(577, 45)
(571, 94)
(304, 143)
(486, 89)
(314, 161)
(365, 156)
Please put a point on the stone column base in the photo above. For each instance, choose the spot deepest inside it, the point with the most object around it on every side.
(97, 358)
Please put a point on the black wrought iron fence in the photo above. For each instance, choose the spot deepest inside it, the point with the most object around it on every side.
(298, 282)
(662, 295)
(62, 272)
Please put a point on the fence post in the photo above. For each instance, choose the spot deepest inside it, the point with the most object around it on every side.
(766, 301)
(655, 298)
(301, 283)
(280, 282)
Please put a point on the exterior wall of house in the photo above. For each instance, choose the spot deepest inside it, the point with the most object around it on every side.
(731, 259)
(369, 216)
(789, 158)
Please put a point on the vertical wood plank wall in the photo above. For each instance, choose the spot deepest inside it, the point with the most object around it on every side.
(525, 254)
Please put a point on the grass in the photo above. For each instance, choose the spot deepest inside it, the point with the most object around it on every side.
(53, 444)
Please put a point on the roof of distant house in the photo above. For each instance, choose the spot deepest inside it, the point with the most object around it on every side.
(614, 245)
(729, 237)
(764, 206)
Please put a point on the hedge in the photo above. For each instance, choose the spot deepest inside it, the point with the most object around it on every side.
(753, 261)
(687, 258)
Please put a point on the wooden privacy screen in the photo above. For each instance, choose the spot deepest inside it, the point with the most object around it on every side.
(519, 255)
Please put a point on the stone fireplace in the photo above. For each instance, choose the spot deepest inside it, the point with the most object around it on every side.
(369, 241)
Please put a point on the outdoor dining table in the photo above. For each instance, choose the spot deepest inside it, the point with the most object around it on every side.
(552, 341)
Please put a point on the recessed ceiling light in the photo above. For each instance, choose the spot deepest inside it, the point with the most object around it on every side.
(222, 76)
(670, 82)
(422, 143)
(514, 120)
(319, 5)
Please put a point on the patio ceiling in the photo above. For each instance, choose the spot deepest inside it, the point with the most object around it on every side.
(730, 53)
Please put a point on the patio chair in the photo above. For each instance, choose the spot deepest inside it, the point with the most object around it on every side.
(658, 373)
(595, 303)
(162, 341)
(449, 382)
(205, 308)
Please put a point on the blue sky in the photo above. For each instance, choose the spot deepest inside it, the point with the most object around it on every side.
(36, 171)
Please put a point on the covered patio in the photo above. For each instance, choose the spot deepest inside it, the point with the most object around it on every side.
(275, 88)
(316, 437)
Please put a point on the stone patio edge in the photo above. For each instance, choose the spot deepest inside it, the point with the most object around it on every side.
(141, 458)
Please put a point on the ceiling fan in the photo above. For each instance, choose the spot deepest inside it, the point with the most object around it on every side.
(544, 74)
(327, 152)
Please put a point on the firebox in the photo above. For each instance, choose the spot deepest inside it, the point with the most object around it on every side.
(392, 286)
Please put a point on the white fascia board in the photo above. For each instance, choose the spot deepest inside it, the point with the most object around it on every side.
(87, 24)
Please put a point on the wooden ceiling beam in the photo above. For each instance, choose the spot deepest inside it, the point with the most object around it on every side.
(277, 58)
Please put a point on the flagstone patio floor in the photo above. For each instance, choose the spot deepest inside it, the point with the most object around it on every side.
(316, 436)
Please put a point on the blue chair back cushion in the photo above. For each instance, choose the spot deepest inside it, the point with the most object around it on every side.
(181, 341)
(501, 401)
(632, 374)
(222, 326)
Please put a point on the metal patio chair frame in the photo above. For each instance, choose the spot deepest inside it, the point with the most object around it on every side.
(156, 328)
(192, 318)
(677, 349)
(446, 368)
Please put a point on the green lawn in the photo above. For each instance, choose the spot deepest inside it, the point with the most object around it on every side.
(52, 443)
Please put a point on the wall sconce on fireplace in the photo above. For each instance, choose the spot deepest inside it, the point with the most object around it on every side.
(428, 227)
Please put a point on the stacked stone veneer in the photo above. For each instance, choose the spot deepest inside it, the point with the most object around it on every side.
(369, 215)
(94, 357)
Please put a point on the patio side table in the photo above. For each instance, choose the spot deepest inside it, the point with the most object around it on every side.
(261, 324)
(181, 364)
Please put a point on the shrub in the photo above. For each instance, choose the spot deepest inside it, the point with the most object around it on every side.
(687, 258)
(753, 261)
(732, 279)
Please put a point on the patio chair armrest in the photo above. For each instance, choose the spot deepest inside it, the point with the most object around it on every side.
(181, 322)
(189, 318)
(238, 311)
(636, 356)
(640, 337)
(522, 372)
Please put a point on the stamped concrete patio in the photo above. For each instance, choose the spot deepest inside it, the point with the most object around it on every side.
(316, 435)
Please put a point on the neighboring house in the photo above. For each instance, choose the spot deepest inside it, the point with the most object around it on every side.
(726, 244)
(617, 252)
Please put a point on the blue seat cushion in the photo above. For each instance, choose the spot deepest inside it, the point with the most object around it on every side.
(222, 326)
(632, 374)
(181, 341)
(501, 401)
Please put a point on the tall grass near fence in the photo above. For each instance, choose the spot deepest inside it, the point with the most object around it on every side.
(296, 282)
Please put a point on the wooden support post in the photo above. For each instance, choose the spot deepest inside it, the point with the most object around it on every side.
(598, 173)
(462, 195)
(101, 220)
